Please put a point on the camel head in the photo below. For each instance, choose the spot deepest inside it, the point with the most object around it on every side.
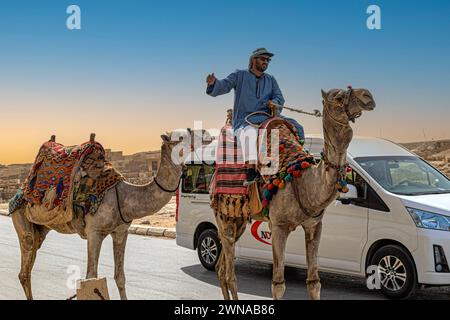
(340, 107)
(172, 152)
(177, 145)
(347, 105)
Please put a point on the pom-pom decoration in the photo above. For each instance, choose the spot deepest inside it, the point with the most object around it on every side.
(305, 165)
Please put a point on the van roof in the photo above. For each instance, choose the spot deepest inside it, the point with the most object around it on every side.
(359, 147)
(362, 146)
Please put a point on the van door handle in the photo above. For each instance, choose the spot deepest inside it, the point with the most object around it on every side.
(189, 197)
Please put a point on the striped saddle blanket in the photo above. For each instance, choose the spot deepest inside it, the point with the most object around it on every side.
(230, 167)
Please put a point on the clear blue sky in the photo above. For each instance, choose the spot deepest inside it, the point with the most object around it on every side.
(137, 68)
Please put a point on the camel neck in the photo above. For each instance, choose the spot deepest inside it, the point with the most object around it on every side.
(145, 200)
(337, 135)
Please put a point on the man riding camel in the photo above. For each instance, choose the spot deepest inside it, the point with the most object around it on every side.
(255, 90)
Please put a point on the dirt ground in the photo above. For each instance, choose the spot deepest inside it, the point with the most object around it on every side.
(164, 218)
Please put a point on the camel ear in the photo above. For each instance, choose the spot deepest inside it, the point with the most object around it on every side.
(165, 138)
(324, 94)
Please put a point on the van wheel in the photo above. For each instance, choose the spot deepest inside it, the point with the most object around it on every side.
(208, 248)
(398, 274)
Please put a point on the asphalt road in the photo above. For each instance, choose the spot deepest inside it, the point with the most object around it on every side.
(156, 268)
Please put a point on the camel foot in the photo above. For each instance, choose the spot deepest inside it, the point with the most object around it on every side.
(226, 294)
(313, 287)
(278, 290)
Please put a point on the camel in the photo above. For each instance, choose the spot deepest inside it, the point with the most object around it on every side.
(303, 201)
(120, 206)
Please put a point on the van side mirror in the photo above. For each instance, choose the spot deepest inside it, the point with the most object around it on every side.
(346, 198)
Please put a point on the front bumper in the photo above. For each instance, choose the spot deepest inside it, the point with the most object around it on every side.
(424, 256)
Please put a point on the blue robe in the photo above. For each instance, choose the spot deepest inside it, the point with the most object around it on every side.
(251, 94)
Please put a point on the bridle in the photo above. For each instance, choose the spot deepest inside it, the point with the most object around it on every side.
(168, 190)
(341, 170)
(178, 183)
(349, 96)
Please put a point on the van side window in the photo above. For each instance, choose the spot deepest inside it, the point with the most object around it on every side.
(197, 179)
(361, 186)
(367, 197)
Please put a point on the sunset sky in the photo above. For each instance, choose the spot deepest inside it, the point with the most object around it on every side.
(138, 68)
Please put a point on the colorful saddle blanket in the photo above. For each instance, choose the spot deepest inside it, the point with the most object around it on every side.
(55, 167)
(279, 168)
(61, 175)
(278, 145)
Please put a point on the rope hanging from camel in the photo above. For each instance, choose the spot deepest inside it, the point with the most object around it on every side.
(315, 113)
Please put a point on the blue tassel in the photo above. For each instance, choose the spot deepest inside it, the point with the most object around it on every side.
(59, 187)
(32, 182)
(288, 178)
(343, 183)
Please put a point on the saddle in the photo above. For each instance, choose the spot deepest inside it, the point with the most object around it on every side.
(62, 177)
(229, 198)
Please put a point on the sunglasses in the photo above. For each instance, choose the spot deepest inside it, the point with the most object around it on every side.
(264, 59)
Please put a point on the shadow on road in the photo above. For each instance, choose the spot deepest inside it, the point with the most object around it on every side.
(254, 278)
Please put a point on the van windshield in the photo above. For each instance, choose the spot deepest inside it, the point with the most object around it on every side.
(405, 175)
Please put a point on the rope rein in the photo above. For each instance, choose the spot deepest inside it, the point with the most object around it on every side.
(118, 207)
(169, 190)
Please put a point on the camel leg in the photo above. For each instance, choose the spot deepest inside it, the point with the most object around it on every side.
(221, 274)
(30, 238)
(279, 238)
(95, 240)
(119, 243)
(312, 239)
(229, 233)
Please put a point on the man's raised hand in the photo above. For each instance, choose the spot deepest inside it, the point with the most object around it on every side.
(211, 79)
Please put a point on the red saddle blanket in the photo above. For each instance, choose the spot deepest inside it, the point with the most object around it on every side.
(55, 167)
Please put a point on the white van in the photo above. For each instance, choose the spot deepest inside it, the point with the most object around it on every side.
(397, 217)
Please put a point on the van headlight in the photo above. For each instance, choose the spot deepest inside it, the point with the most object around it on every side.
(429, 220)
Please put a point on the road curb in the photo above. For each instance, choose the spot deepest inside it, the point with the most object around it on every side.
(152, 231)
